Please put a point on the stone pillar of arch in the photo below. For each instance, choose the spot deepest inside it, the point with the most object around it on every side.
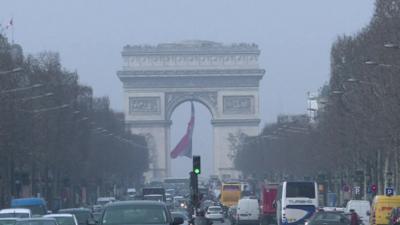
(224, 78)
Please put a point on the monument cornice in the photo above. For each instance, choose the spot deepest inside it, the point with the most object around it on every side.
(149, 123)
(229, 72)
(235, 122)
(191, 47)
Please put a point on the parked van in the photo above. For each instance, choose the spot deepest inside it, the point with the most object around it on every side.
(36, 205)
(362, 208)
(15, 213)
(248, 211)
(381, 207)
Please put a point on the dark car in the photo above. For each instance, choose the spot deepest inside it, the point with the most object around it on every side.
(394, 217)
(232, 214)
(138, 213)
(37, 221)
(328, 218)
(181, 214)
(83, 215)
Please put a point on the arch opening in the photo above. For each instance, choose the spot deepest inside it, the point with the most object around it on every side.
(202, 141)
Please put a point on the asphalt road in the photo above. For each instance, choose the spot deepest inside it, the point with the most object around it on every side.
(226, 222)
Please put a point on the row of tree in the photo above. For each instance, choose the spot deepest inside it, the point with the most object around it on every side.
(56, 139)
(358, 125)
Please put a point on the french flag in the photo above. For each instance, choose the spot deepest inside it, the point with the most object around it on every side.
(184, 147)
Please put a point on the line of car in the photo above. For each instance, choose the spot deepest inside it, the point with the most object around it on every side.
(115, 213)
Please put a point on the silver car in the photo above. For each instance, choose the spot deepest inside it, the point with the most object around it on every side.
(215, 213)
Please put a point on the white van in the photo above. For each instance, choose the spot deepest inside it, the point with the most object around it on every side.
(105, 200)
(15, 213)
(362, 208)
(248, 211)
(131, 192)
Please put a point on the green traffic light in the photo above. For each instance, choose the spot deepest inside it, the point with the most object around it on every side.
(197, 171)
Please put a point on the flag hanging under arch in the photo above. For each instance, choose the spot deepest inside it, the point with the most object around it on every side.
(184, 146)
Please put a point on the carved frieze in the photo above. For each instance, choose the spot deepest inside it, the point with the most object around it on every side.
(172, 99)
(176, 61)
(144, 105)
(238, 104)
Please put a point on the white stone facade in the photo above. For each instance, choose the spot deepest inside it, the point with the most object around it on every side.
(224, 78)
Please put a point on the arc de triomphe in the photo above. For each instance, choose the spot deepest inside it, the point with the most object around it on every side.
(224, 78)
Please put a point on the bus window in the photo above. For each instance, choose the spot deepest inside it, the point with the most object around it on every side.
(300, 190)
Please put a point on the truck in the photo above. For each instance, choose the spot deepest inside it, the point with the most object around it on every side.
(267, 203)
(148, 192)
(230, 195)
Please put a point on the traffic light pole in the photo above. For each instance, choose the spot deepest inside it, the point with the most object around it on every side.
(194, 185)
(193, 193)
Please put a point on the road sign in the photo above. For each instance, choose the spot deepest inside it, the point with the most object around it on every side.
(357, 190)
(389, 191)
(374, 188)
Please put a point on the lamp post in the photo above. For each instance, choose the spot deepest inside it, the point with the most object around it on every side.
(15, 70)
(389, 177)
(374, 63)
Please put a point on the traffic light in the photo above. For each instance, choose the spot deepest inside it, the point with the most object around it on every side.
(196, 165)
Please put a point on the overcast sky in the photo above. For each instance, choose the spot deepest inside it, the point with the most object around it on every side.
(295, 37)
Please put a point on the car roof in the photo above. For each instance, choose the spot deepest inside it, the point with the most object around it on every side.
(135, 202)
(215, 206)
(15, 210)
(59, 215)
(19, 201)
(73, 209)
(9, 218)
(37, 218)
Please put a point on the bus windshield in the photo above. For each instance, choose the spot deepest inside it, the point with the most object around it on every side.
(300, 190)
(234, 187)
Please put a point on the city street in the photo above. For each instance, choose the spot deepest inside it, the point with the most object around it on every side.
(147, 112)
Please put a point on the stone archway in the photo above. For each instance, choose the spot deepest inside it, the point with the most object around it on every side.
(224, 78)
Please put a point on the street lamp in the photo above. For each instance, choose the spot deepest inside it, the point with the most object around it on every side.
(21, 89)
(389, 176)
(354, 80)
(391, 45)
(38, 96)
(337, 92)
(373, 63)
(11, 71)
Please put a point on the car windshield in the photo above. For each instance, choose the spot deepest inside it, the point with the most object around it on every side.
(14, 215)
(214, 209)
(36, 209)
(81, 216)
(135, 214)
(153, 197)
(7, 222)
(36, 222)
(300, 190)
(178, 214)
(65, 220)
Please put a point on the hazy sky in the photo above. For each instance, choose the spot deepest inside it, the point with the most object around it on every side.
(294, 36)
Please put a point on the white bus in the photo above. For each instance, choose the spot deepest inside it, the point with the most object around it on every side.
(296, 202)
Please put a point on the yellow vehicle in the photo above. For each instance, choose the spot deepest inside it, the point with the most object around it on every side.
(230, 194)
(381, 207)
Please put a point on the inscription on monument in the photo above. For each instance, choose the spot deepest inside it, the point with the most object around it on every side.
(238, 104)
(144, 105)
